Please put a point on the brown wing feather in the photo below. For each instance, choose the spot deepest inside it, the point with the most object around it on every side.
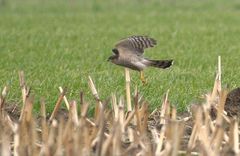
(136, 44)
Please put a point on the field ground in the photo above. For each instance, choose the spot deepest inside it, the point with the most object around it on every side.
(60, 43)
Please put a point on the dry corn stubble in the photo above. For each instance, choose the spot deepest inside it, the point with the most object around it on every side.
(121, 129)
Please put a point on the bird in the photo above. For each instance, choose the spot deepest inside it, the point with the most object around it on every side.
(128, 52)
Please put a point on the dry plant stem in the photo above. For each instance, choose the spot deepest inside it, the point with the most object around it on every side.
(219, 73)
(226, 137)
(217, 139)
(34, 143)
(107, 142)
(217, 84)
(93, 124)
(64, 98)
(121, 115)
(90, 122)
(236, 137)
(115, 107)
(233, 136)
(96, 96)
(27, 130)
(175, 135)
(167, 150)
(207, 122)
(67, 130)
(22, 85)
(48, 146)
(44, 122)
(116, 140)
(59, 143)
(130, 134)
(2, 97)
(220, 107)
(9, 121)
(204, 139)
(130, 116)
(57, 106)
(164, 108)
(73, 112)
(160, 142)
(93, 88)
(174, 113)
(84, 109)
(23, 89)
(194, 135)
(101, 131)
(136, 107)
(215, 88)
(128, 93)
(76, 143)
(153, 112)
(16, 140)
(28, 108)
(143, 116)
(5, 150)
(186, 119)
(226, 118)
(185, 153)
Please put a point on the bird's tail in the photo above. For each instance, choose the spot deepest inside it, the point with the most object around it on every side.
(160, 63)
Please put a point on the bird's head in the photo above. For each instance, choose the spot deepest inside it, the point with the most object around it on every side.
(114, 56)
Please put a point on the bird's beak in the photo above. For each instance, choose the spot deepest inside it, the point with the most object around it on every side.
(110, 58)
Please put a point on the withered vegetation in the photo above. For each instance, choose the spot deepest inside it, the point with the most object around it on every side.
(121, 126)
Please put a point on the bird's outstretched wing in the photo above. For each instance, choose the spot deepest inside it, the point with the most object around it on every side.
(136, 44)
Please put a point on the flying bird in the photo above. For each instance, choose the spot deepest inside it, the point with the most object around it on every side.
(128, 52)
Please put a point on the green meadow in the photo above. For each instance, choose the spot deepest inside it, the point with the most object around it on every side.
(60, 43)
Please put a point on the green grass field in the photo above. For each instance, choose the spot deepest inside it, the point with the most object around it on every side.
(60, 43)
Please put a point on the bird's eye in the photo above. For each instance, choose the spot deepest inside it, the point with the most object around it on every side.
(115, 51)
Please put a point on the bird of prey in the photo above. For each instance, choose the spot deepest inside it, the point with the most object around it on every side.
(128, 52)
